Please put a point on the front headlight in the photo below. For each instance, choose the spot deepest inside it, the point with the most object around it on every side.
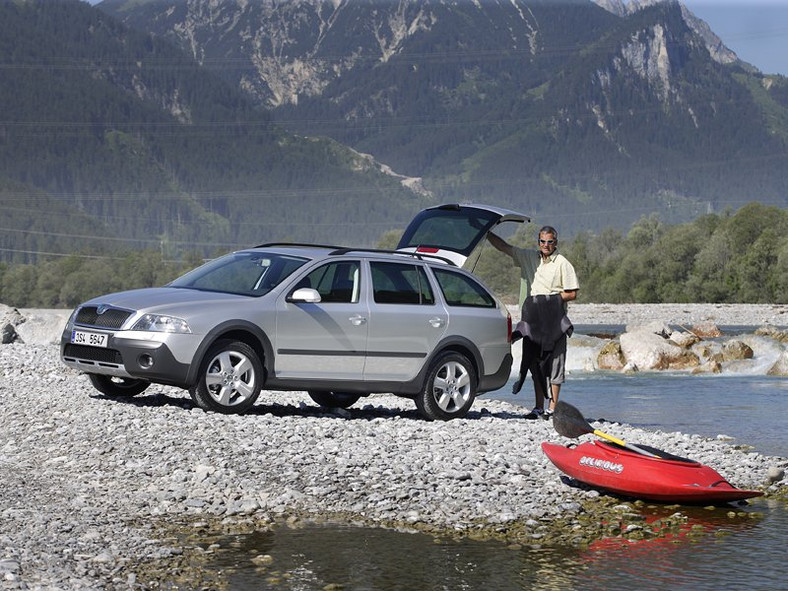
(70, 324)
(158, 323)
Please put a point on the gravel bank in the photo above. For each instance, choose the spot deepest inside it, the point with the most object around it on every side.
(684, 314)
(88, 482)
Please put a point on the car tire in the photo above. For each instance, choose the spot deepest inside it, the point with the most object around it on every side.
(118, 387)
(449, 390)
(334, 399)
(230, 378)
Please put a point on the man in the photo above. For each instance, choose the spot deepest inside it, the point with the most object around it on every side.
(544, 273)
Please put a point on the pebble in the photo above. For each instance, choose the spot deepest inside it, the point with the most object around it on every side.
(87, 480)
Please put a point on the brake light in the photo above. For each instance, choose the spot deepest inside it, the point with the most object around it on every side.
(427, 249)
(508, 327)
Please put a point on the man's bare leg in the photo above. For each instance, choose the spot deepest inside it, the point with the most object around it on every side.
(555, 390)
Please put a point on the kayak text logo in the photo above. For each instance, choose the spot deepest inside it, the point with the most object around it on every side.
(601, 464)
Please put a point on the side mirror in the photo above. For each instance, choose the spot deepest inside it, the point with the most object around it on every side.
(305, 295)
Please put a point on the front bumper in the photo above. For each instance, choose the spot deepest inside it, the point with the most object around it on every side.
(127, 358)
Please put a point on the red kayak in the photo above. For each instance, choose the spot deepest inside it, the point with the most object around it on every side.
(666, 478)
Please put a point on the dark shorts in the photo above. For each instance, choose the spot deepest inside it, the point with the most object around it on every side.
(550, 367)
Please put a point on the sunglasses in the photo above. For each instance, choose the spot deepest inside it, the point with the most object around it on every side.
(546, 241)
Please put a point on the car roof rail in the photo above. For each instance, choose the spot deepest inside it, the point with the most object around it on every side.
(415, 255)
(299, 245)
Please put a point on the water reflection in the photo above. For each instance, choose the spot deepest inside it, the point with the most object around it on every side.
(731, 553)
(361, 558)
(705, 552)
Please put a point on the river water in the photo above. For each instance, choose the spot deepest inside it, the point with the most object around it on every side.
(731, 553)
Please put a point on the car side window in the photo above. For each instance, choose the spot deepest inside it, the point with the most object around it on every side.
(461, 290)
(338, 282)
(400, 283)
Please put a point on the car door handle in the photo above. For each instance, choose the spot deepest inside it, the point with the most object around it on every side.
(436, 321)
(357, 319)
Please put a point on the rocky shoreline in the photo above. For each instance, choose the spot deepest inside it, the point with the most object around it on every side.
(110, 494)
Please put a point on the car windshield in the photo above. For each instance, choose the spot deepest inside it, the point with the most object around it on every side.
(244, 273)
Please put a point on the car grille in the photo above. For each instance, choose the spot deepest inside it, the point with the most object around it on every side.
(111, 318)
(95, 354)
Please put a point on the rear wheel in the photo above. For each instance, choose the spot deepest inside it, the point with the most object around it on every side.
(118, 387)
(449, 390)
(231, 377)
(334, 399)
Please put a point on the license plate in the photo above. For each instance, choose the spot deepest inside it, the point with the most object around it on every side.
(94, 339)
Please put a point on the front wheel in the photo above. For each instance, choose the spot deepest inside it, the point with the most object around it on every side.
(230, 380)
(118, 387)
(449, 390)
(334, 399)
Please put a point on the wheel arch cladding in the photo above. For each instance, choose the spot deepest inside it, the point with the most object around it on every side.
(463, 347)
(243, 331)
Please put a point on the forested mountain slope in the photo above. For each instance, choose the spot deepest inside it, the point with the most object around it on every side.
(579, 115)
(108, 132)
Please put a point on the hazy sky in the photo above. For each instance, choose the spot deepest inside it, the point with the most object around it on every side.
(757, 30)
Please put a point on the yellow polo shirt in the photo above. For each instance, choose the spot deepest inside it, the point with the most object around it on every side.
(543, 277)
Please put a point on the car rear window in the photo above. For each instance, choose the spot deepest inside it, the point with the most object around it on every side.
(458, 231)
(461, 290)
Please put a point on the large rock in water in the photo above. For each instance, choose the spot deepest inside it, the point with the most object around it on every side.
(780, 367)
(706, 329)
(684, 339)
(648, 350)
(710, 366)
(611, 357)
(735, 349)
(773, 332)
(653, 326)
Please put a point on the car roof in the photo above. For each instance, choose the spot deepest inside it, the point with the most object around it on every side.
(297, 248)
(314, 251)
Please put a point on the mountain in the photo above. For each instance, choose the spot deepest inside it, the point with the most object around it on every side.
(201, 125)
(717, 50)
(583, 114)
(112, 138)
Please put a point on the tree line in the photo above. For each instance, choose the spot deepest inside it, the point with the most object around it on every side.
(739, 257)
(732, 257)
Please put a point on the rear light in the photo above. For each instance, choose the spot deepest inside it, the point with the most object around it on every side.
(508, 327)
(427, 249)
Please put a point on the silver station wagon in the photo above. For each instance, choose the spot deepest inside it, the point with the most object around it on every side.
(338, 323)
